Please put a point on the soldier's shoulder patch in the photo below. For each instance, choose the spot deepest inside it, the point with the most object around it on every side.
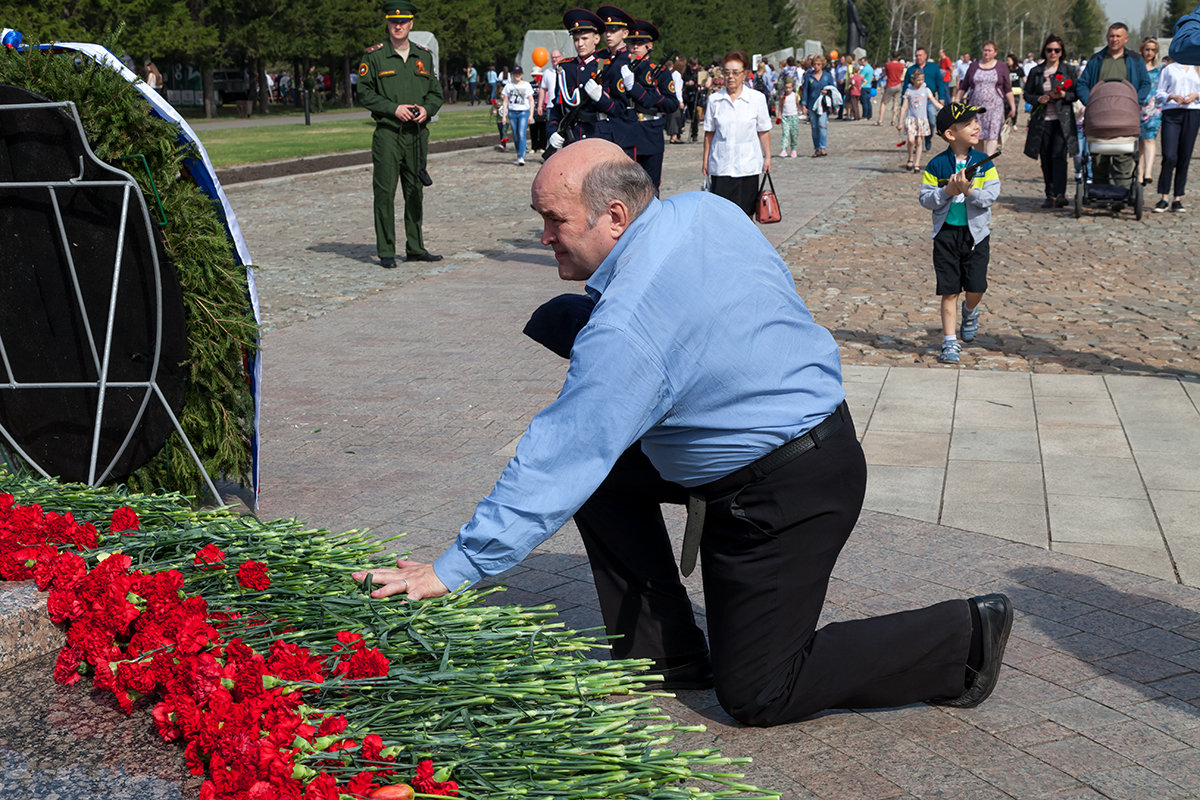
(363, 69)
(419, 47)
(671, 86)
(374, 47)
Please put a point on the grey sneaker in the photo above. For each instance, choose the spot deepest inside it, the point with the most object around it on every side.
(950, 353)
(970, 323)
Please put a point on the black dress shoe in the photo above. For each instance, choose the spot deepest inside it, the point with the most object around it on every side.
(1048, 202)
(695, 673)
(423, 257)
(387, 263)
(995, 620)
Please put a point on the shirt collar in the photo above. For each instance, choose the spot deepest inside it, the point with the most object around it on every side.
(607, 270)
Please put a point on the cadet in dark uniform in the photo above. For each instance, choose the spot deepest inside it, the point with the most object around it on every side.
(397, 83)
(580, 102)
(621, 125)
(652, 91)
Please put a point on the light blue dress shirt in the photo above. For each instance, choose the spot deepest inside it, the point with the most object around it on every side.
(698, 345)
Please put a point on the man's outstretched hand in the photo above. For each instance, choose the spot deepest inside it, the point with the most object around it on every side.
(412, 578)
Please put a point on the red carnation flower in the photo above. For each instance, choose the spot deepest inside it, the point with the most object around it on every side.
(253, 575)
(294, 663)
(365, 663)
(322, 787)
(362, 783)
(124, 519)
(354, 640)
(66, 667)
(332, 725)
(425, 783)
(210, 554)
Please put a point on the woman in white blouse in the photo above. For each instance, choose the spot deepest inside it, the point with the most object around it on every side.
(1179, 96)
(737, 136)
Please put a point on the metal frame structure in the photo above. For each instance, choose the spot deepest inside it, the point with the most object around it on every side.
(131, 194)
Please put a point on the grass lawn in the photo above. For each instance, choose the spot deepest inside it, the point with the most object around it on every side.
(249, 144)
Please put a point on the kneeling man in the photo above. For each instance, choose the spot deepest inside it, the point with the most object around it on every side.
(699, 377)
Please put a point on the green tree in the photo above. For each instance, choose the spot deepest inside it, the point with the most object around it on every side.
(1175, 10)
(1085, 27)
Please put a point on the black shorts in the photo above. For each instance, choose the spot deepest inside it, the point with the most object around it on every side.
(959, 263)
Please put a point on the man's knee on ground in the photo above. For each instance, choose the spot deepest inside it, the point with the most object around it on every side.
(753, 705)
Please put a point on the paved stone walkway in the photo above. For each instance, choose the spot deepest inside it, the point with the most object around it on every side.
(399, 410)
(409, 418)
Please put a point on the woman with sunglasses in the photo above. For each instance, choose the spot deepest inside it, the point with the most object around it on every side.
(1050, 89)
(1151, 113)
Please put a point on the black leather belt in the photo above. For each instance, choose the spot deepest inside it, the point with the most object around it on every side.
(698, 496)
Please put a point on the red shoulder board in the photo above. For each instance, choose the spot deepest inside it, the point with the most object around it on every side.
(375, 47)
(426, 49)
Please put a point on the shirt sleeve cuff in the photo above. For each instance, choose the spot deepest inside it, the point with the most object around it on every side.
(455, 570)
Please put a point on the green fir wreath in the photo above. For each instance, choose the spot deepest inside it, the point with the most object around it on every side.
(218, 412)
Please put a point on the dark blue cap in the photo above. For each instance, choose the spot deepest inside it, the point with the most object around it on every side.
(580, 20)
(614, 17)
(642, 31)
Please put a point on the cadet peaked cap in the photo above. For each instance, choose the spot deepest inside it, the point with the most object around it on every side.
(952, 113)
(642, 31)
(614, 17)
(580, 20)
(399, 9)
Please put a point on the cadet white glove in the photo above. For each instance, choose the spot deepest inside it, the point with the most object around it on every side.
(593, 90)
(557, 141)
(627, 77)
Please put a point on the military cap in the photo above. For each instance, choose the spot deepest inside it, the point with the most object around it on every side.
(614, 17)
(580, 20)
(642, 31)
(399, 10)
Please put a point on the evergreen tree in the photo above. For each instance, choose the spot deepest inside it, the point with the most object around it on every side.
(1085, 27)
(1175, 10)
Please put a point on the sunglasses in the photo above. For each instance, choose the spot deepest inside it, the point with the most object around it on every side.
(1053, 49)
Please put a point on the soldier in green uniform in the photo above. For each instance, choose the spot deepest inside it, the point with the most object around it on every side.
(397, 83)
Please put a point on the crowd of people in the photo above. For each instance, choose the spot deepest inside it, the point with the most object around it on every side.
(1035, 97)
(698, 376)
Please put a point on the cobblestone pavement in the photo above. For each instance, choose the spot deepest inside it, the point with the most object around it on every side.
(399, 412)
(1103, 293)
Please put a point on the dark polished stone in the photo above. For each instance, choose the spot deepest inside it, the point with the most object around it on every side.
(70, 743)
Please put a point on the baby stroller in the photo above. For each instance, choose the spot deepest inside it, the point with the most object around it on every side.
(1111, 125)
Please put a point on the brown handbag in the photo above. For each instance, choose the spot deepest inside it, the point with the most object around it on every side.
(768, 203)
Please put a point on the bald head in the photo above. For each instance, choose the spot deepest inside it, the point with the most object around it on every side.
(569, 166)
(588, 194)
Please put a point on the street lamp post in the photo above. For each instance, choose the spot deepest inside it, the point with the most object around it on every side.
(1022, 48)
(915, 17)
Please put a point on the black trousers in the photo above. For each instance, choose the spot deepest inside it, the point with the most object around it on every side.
(768, 550)
(1053, 155)
(1179, 128)
(652, 163)
(741, 191)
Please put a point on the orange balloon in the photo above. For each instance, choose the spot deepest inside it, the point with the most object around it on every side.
(833, 53)
(540, 56)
